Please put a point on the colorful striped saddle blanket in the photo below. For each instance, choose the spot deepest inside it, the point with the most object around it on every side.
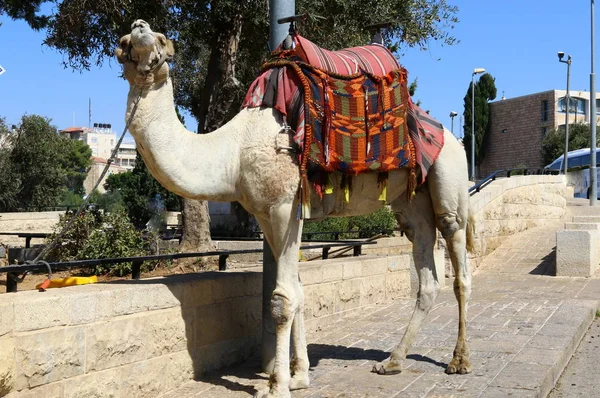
(350, 110)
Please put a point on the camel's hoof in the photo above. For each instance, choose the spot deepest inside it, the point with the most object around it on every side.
(461, 365)
(271, 393)
(299, 381)
(387, 367)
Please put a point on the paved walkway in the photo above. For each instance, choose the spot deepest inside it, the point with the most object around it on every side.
(523, 328)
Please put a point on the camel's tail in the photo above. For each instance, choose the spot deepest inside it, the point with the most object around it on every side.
(471, 231)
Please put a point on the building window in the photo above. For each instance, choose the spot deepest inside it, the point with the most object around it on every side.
(94, 140)
(544, 132)
(576, 105)
(544, 110)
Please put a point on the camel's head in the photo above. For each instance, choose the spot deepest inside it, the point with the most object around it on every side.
(143, 54)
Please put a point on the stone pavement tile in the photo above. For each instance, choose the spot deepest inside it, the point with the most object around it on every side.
(530, 376)
(501, 392)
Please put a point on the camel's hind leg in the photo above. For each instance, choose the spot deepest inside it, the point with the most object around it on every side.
(417, 220)
(448, 185)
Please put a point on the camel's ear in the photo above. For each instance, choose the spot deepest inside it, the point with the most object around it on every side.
(122, 52)
(167, 44)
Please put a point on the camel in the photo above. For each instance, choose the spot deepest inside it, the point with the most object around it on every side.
(242, 161)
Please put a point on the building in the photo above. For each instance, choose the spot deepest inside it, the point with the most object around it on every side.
(96, 169)
(102, 140)
(518, 126)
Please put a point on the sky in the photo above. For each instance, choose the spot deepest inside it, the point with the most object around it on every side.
(516, 41)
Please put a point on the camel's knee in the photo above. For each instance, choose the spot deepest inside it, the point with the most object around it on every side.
(462, 287)
(427, 295)
(282, 308)
(448, 224)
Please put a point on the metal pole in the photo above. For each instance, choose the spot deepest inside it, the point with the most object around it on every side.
(593, 121)
(277, 33)
(452, 125)
(568, 100)
(473, 126)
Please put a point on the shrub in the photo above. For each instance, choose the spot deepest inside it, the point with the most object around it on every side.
(370, 225)
(95, 234)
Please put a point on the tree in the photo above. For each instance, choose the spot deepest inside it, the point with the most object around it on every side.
(553, 144)
(76, 162)
(35, 176)
(221, 44)
(137, 189)
(485, 91)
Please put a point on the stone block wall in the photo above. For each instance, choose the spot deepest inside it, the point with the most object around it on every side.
(143, 338)
(42, 221)
(511, 205)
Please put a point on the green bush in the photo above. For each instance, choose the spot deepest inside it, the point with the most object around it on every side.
(370, 225)
(95, 234)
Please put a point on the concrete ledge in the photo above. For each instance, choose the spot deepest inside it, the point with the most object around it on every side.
(146, 337)
(511, 205)
(577, 252)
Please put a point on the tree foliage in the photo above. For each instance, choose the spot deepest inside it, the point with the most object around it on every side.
(221, 44)
(553, 144)
(96, 234)
(87, 32)
(137, 189)
(485, 91)
(38, 165)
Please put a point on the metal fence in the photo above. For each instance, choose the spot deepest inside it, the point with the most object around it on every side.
(16, 273)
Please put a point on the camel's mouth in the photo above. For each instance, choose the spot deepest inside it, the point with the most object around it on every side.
(144, 54)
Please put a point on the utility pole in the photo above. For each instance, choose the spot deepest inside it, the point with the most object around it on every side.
(593, 121)
(277, 33)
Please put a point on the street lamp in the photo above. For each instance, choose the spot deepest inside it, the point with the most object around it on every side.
(593, 120)
(568, 102)
(452, 116)
(476, 71)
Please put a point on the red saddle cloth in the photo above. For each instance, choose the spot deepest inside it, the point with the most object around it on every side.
(350, 109)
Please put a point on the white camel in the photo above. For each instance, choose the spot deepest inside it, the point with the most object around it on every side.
(241, 162)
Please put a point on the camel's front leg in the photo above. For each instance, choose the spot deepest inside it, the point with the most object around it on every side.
(300, 363)
(286, 303)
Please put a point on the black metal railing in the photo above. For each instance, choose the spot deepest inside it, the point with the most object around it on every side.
(507, 173)
(13, 271)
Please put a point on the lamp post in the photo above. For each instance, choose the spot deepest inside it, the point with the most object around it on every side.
(593, 121)
(452, 116)
(476, 71)
(568, 102)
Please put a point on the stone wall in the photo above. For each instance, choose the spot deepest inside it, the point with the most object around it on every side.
(511, 205)
(142, 338)
(42, 221)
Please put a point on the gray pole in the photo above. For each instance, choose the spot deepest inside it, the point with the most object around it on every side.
(473, 127)
(277, 33)
(568, 101)
(593, 121)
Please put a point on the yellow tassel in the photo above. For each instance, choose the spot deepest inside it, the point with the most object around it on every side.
(329, 187)
(383, 195)
(346, 194)
(412, 184)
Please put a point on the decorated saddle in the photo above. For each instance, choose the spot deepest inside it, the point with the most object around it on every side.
(350, 111)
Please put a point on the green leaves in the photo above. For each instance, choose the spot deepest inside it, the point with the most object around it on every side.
(38, 165)
(95, 234)
(553, 144)
(485, 91)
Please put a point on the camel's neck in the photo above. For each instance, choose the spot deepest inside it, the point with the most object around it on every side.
(199, 166)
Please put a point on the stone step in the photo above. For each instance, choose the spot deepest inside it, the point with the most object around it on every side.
(586, 219)
(582, 226)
